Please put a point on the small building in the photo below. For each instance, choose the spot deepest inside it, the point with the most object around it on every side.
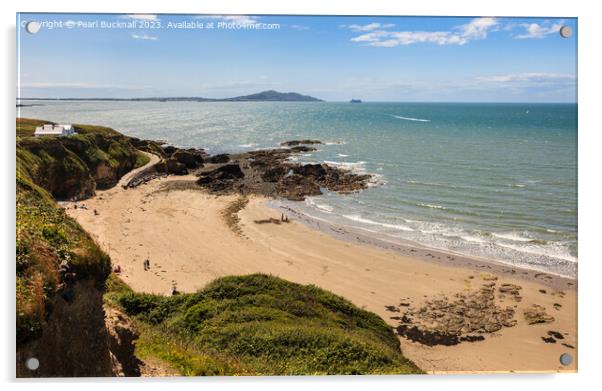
(54, 130)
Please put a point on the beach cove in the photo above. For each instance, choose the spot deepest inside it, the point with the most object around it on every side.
(192, 237)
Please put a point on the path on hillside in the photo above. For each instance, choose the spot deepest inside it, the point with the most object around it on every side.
(127, 177)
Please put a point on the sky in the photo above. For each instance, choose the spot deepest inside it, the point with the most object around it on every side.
(473, 59)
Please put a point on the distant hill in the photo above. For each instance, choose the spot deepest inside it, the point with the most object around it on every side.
(264, 96)
(275, 96)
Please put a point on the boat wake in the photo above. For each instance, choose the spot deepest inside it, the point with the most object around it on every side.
(411, 119)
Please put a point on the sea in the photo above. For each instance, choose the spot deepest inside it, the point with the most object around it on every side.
(491, 180)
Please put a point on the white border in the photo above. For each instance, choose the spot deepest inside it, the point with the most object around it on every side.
(590, 195)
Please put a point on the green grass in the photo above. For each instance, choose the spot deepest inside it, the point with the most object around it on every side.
(45, 236)
(49, 168)
(263, 325)
(102, 130)
(141, 160)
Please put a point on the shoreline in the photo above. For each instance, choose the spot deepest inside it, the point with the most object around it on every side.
(354, 235)
(183, 231)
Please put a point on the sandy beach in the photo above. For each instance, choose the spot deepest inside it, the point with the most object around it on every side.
(192, 237)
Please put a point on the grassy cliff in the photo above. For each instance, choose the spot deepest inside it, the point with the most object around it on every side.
(261, 325)
(75, 166)
(236, 326)
(59, 167)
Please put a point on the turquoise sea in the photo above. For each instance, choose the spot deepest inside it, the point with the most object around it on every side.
(492, 180)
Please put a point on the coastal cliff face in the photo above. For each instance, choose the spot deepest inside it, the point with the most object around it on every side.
(73, 341)
(60, 282)
(74, 167)
(60, 271)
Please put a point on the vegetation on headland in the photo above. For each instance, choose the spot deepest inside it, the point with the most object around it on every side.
(260, 325)
(67, 167)
(50, 168)
(45, 237)
(247, 325)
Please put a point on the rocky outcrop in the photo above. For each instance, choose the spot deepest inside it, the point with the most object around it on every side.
(221, 158)
(267, 172)
(537, 314)
(191, 158)
(226, 178)
(271, 173)
(465, 318)
(293, 143)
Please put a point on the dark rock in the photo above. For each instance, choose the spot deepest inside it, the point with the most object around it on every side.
(426, 337)
(276, 173)
(293, 143)
(296, 187)
(512, 290)
(175, 167)
(191, 159)
(169, 149)
(442, 321)
(472, 338)
(548, 340)
(313, 170)
(537, 314)
(221, 158)
(227, 178)
(555, 334)
(302, 149)
(269, 173)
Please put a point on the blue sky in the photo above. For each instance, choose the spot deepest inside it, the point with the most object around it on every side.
(333, 58)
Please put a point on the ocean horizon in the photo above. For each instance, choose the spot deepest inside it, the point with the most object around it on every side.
(493, 180)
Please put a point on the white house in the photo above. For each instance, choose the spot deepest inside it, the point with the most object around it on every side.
(54, 130)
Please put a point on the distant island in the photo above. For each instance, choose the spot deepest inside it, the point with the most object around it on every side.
(264, 96)
(355, 101)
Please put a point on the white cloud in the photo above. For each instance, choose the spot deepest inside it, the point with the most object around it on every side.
(476, 29)
(368, 27)
(538, 31)
(236, 19)
(144, 37)
(149, 17)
